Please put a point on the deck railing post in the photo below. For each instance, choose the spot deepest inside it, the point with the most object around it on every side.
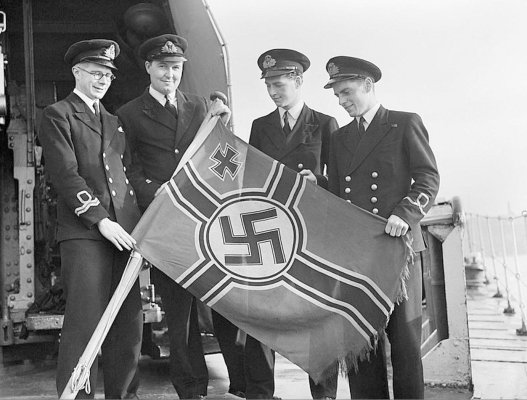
(493, 257)
(482, 249)
(468, 229)
(523, 330)
(448, 361)
(508, 309)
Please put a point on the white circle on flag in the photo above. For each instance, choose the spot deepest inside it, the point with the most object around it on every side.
(252, 238)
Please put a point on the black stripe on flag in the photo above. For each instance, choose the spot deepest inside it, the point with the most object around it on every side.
(341, 291)
(181, 203)
(382, 300)
(203, 203)
(284, 185)
(205, 282)
(331, 305)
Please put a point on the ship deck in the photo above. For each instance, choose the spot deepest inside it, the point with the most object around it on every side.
(498, 354)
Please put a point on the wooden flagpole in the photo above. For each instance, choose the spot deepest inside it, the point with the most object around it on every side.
(80, 378)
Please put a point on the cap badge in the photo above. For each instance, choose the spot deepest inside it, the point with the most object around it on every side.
(333, 69)
(269, 61)
(170, 48)
(109, 52)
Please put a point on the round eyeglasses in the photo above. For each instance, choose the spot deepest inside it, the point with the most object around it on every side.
(98, 74)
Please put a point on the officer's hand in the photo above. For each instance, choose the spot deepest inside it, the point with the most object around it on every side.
(396, 226)
(218, 107)
(310, 176)
(116, 234)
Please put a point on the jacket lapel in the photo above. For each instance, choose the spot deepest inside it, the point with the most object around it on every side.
(348, 137)
(185, 114)
(109, 126)
(84, 114)
(377, 130)
(304, 127)
(155, 111)
(273, 130)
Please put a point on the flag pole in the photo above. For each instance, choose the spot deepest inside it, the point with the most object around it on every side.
(80, 378)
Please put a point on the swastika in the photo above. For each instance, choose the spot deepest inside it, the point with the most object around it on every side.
(252, 239)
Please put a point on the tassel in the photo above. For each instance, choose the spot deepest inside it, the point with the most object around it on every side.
(81, 379)
(402, 293)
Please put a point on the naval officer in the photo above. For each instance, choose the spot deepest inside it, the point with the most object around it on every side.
(298, 137)
(160, 125)
(382, 162)
(84, 147)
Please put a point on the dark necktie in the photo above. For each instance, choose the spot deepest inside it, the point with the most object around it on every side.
(362, 131)
(96, 109)
(170, 107)
(287, 128)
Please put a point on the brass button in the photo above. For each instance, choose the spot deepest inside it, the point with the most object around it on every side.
(347, 178)
(110, 180)
(349, 201)
(375, 211)
(121, 156)
(373, 200)
(107, 167)
(347, 190)
(131, 192)
(114, 193)
(373, 187)
(300, 166)
(104, 155)
(374, 174)
(176, 151)
(124, 169)
(126, 181)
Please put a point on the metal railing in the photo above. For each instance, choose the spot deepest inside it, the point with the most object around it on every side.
(511, 254)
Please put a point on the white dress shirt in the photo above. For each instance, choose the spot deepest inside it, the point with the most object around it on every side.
(294, 113)
(160, 97)
(369, 115)
(89, 102)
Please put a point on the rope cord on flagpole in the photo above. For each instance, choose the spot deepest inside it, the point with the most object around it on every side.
(81, 379)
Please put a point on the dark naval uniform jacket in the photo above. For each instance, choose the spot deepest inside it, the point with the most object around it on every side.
(305, 147)
(392, 170)
(307, 144)
(157, 140)
(84, 157)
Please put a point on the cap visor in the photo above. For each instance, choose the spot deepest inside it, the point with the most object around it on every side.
(276, 72)
(104, 63)
(171, 57)
(340, 78)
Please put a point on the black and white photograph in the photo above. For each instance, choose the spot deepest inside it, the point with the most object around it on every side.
(232, 199)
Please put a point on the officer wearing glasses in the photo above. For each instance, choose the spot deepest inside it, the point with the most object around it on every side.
(84, 149)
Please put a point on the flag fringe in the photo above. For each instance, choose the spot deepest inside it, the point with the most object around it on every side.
(350, 362)
(402, 293)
